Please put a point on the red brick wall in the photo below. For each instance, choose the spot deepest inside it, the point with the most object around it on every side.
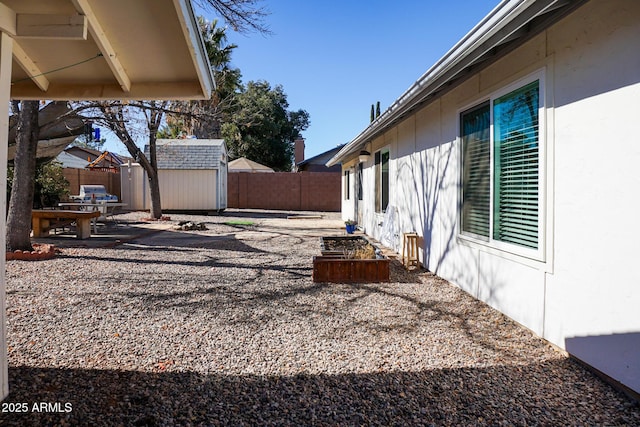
(309, 191)
(78, 177)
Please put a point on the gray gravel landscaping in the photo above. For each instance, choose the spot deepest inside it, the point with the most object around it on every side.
(225, 327)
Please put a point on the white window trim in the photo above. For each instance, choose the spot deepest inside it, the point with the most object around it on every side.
(346, 185)
(528, 256)
(381, 150)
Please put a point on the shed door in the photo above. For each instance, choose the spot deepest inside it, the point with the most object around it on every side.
(182, 189)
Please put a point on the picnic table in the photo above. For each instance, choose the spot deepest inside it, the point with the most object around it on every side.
(105, 208)
(44, 220)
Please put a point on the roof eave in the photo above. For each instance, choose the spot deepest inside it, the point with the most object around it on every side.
(505, 23)
(196, 46)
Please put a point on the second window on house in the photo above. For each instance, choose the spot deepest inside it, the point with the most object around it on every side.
(347, 185)
(381, 167)
(500, 169)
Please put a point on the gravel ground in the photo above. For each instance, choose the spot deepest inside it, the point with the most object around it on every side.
(226, 327)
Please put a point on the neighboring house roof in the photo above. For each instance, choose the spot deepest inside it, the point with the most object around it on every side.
(245, 165)
(506, 27)
(71, 161)
(189, 153)
(322, 158)
(84, 152)
(114, 49)
(106, 161)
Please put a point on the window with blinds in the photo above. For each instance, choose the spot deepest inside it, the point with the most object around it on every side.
(347, 185)
(381, 167)
(500, 169)
(515, 133)
(359, 181)
(476, 196)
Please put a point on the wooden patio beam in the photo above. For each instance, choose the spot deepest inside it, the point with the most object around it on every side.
(27, 64)
(69, 27)
(101, 39)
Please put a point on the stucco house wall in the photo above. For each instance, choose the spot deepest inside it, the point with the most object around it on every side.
(579, 289)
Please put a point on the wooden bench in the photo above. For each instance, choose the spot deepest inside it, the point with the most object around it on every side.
(44, 220)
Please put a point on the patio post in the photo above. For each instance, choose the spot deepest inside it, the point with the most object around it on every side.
(6, 52)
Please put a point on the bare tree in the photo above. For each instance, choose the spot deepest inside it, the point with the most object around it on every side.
(125, 121)
(242, 15)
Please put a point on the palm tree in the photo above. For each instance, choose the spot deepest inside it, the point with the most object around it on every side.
(202, 118)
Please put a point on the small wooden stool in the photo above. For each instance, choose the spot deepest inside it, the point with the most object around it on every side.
(410, 250)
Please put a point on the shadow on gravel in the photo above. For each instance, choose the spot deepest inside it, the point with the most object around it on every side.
(552, 393)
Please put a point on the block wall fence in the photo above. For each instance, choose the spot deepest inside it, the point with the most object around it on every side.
(305, 191)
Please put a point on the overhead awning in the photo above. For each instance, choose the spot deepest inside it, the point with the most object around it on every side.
(97, 49)
(94, 50)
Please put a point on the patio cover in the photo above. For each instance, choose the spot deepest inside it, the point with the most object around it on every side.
(93, 49)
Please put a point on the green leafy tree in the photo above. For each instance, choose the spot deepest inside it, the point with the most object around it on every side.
(261, 128)
(51, 185)
(372, 114)
(377, 109)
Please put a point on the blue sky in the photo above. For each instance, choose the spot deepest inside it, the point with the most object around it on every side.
(334, 58)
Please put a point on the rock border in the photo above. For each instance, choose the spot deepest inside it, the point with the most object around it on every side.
(40, 252)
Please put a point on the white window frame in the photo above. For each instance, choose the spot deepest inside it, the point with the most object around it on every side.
(496, 246)
(378, 180)
(347, 184)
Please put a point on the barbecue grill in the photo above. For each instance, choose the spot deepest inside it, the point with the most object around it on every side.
(98, 193)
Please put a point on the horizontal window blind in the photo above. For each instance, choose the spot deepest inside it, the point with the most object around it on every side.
(476, 195)
(516, 168)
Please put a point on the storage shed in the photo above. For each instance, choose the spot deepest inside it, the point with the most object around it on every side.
(192, 174)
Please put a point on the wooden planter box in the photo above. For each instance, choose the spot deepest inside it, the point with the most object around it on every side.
(334, 267)
(331, 269)
(325, 244)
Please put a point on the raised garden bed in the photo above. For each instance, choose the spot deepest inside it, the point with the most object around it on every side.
(351, 259)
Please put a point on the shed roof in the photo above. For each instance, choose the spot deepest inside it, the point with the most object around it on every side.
(245, 165)
(189, 153)
(506, 27)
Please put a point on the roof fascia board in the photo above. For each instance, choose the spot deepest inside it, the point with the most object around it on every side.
(193, 36)
(190, 90)
(497, 27)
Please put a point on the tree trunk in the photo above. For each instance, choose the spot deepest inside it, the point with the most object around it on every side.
(154, 118)
(154, 192)
(21, 203)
